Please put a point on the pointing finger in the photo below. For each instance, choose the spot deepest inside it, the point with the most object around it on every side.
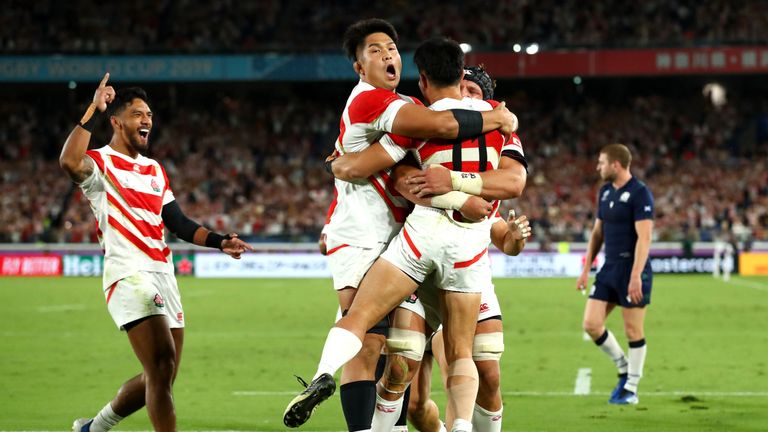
(104, 80)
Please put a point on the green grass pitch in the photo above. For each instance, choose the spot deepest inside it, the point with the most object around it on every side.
(61, 356)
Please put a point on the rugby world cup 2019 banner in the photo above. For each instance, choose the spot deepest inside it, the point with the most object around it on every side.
(30, 265)
(333, 67)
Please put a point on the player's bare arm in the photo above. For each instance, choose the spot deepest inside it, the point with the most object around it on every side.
(644, 229)
(471, 207)
(417, 121)
(360, 165)
(72, 159)
(593, 247)
(506, 182)
(511, 235)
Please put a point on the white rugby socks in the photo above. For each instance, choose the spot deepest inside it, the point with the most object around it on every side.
(637, 351)
(486, 421)
(610, 346)
(105, 420)
(340, 347)
(386, 414)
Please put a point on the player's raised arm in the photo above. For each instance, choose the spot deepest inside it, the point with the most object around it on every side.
(593, 247)
(72, 159)
(417, 121)
(510, 236)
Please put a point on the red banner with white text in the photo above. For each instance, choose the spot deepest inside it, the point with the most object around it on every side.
(30, 265)
(605, 63)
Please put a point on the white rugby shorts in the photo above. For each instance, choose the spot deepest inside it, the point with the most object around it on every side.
(349, 263)
(430, 242)
(144, 294)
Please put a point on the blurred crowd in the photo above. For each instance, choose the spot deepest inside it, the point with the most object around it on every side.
(226, 26)
(254, 165)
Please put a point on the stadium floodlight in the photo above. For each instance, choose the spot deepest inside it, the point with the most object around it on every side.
(532, 48)
(465, 47)
(517, 47)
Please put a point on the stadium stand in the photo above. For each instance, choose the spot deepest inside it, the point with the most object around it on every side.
(253, 165)
(76, 27)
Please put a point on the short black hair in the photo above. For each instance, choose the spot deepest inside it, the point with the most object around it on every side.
(124, 97)
(441, 60)
(357, 32)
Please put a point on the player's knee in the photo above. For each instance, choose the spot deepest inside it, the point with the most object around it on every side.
(162, 368)
(633, 332)
(401, 369)
(592, 327)
(407, 343)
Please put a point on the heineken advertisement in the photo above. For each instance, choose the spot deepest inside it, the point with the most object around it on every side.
(93, 265)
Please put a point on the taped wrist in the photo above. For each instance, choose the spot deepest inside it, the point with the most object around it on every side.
(214, 240)
(453, 200)
(88, 121)
(470, 123)
(470, 183)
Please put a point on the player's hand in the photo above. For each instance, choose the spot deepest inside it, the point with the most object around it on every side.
(434, 180)
(509, 121)
(635, 290)
(582, 281)
(476, 209)
(520, 228)
(104, 94)
(322, 245)
(234, 247)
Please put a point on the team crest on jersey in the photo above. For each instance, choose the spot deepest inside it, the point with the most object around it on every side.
(412, 298)
(159, 302)
(624, 197)
(155, 186)
(605, 195)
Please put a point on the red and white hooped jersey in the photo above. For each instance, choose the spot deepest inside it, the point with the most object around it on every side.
(127, 197)
(473, 155)
(370, 211)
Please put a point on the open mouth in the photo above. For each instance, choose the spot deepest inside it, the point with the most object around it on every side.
(144, 133)
(391, 72)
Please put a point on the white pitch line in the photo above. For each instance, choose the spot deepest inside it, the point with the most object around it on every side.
(555, 393)
(61, 308)
(748, 284)
(583, 382)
